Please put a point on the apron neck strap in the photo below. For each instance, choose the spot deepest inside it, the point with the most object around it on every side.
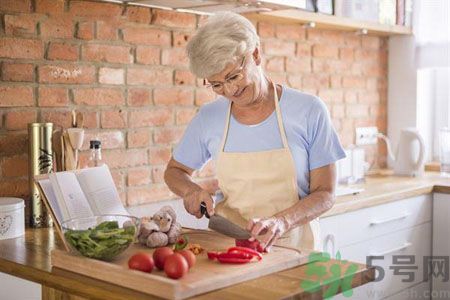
(279, 120)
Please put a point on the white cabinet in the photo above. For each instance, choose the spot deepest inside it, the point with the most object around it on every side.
(14, 288)
(397, 228)
(441, 242)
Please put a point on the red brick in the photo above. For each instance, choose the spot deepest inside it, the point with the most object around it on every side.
(14, 188)
(329, 51)
(185, 115)
(95, 9)
(168, 135)
(17, 72)
(57, 27)
(11, 96)
(369, 97)
(174, 19)
(107, 31)
(18, 120)
(66, 73)
(21, 48)
(158, 174)
(298, 64)
(138, 14)
(146, 36)
(13, 142)
(321, 65)
(148, 55)
(184, 77)
(290, 32)
(346, 54)
(350, 97)
(52, 96)
(114, 119)
(315, 81)
(149, 76)
(62, 51)
(203, 96)
(338, 111)
(274, 64)
(303, 49)
(374, 69)
(174, 56)
(333, 37)
(139, 97)
(111, 76)
(266, 29)
(180, 39)
(153, 117)
(118, 178)
(106, 53)
(172, 96)
(357, 110)
(139, 176)
(159, 155)
(281, 48)
(377, 111)
(335, 81)
(15, 166)
(154, 193)
(366, 55)
(16, 5)
(353, 82)
(125, 158)
(98, 96)
(58, 118)
(333, 96)
(85, 30)
(138, 138)
(20, 24)
(90, 119)
(295, 81)
(372, 42)
(52, 7)
(109, 139)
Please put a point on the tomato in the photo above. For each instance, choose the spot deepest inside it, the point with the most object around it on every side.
(189, 256)
(141, 261)
(160, 256)
(176, 266)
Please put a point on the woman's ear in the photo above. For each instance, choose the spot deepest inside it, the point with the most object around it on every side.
(257, 56)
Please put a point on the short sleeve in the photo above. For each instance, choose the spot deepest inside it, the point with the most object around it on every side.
(191, 151)
(324, 145)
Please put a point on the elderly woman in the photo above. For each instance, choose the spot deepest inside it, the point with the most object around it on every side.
(274, 147)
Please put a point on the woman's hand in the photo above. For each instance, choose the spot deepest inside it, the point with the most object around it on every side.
(194, 197)
(270, 229)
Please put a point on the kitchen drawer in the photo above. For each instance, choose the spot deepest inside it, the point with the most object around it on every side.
(410, 241)
(365, 224)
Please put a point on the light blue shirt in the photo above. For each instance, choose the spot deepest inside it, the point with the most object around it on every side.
(312, 139)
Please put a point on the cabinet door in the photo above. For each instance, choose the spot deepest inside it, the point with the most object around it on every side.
(441, 240)
(14, 288)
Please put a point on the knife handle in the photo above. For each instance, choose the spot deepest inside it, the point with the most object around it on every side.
(203, 209)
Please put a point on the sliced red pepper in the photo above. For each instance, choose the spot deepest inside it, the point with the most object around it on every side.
(255, 245)
(212, 255)
(235, 255)
(233, 260)
(246, 250)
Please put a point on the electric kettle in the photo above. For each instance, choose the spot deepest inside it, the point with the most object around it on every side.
(405, 162)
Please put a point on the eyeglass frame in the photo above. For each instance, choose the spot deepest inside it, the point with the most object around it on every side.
(227, 80)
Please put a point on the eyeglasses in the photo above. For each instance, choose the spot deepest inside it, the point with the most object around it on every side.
(231, 80)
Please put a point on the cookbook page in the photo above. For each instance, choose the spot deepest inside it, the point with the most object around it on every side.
(47, 188)
(100, 190)
(69, 195)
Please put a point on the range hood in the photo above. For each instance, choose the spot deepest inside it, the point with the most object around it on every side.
(211, 6)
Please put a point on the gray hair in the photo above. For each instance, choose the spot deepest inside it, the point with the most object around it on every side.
(221, 40)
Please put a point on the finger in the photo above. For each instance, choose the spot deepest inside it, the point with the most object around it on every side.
(273, 241)
(210, 205)
(258, 227)
(268, 236)
(252, 223)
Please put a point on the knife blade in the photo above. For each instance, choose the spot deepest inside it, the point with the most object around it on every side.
(224, 226)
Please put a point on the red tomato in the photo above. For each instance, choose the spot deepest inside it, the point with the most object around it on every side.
(160, 256)
(176, 266)
(189, 256)
(141, 261)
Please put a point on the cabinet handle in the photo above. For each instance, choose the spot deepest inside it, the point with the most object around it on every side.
(378, 222)
(404, 246)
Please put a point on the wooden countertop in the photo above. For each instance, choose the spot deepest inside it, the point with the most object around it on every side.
(28, 257)
(385, 187)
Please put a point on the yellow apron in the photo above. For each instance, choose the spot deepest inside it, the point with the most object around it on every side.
(261, 184)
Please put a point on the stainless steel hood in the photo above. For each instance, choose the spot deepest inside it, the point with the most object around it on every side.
(212, 6)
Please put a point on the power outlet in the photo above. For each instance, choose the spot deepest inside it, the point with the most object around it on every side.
(366, 135)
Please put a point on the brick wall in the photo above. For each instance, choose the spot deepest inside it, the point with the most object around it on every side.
(125, 69)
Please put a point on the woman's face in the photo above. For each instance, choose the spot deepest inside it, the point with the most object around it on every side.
(245, 91)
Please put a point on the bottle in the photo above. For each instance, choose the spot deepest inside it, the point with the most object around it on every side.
(95, 159)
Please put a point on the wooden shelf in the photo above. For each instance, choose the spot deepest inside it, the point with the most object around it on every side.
(331, 22)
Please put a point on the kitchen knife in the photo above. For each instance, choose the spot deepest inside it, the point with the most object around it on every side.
(224, 226)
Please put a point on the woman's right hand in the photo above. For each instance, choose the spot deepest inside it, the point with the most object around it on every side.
(194, 197)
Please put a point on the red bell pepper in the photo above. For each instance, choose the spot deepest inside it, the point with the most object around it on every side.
(255, 245)
(249, 251)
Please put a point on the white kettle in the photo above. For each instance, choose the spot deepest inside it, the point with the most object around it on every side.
(405, 162)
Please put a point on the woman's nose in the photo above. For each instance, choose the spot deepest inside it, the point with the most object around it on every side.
(229, 89)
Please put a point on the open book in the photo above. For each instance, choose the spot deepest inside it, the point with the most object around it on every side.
(84, 193)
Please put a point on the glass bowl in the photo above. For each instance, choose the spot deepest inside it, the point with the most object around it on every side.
(101, 237)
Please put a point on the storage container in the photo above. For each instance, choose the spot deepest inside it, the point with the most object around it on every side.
(12, 218)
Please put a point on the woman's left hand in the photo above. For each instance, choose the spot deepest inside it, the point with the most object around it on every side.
(270, 229)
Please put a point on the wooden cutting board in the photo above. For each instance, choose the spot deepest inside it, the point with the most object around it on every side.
(205, 276)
